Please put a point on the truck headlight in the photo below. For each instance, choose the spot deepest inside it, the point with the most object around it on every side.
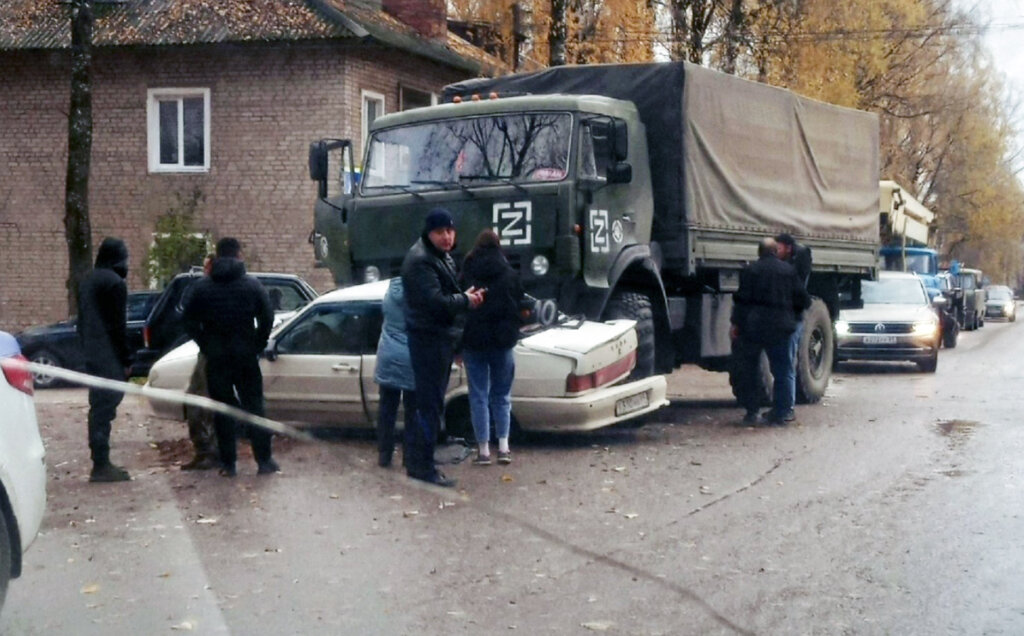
(539, 265)
(926, 328)
(371, 274)
(842, 327)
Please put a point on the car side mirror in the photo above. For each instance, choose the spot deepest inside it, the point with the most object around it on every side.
(939, 301)
(270, 352)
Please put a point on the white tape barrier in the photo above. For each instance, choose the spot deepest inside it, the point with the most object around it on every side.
(162, 394)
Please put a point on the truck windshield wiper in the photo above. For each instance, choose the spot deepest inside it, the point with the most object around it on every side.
(484, 177)
(446, 185)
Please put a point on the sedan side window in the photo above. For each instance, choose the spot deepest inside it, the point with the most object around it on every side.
(284, 296)
(339, 329)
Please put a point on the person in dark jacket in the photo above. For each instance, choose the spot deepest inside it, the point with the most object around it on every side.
(799, 256)
(765, 307)
(393, 373)
(491, 333)
(433, 300)
(229, 316)
(102, 297)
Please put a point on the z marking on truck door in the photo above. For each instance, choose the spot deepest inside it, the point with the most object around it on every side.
(513, 222)
(599, 231)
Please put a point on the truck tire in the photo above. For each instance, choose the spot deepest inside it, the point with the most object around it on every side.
(765, 382)
(636, 306)
(814, 355)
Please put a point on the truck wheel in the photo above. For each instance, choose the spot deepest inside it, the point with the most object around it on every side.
(814, 355)
(765, 381)
(636, 306)
(41, 380)
(929, 365)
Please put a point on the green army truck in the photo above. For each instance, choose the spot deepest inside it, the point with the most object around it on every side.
(635, 191)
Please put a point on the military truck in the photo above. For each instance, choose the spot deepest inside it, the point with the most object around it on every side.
(636, 191)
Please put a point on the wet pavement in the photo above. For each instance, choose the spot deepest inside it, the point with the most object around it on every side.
(892, 507)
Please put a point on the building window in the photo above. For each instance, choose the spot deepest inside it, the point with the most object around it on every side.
(179, 129)
(410, 98)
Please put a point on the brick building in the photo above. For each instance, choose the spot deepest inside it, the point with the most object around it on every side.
(211, 98)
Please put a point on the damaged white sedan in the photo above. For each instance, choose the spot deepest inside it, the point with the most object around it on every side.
(318, 370)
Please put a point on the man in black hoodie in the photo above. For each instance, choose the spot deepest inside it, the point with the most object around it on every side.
(101, 328)
(230, 317)
(433, 299)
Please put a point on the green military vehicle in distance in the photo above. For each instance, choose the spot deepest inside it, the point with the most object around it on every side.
(636, 191)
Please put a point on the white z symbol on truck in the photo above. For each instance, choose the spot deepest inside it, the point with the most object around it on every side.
(599, 231)
(513, 222)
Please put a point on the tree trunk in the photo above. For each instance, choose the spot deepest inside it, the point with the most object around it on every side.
(558, 32)
(77, 230)
(733, 36)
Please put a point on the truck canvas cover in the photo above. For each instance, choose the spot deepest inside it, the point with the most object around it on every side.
(728, 154)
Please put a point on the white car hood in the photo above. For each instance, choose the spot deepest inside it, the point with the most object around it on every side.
(888, 313)
(594, 345)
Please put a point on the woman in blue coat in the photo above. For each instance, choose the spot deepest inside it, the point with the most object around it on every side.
(393, 373)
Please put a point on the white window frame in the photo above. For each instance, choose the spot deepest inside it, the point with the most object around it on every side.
(153, 98)
(365, 96)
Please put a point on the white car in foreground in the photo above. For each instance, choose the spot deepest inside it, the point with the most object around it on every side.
(319, 370)
(22, 464)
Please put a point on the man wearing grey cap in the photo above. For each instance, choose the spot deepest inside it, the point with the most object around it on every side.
(433, 301)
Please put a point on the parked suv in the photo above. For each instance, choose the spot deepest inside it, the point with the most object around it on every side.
(164, 329)
(22, 465)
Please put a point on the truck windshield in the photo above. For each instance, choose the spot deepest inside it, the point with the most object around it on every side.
(917, 263)
(515, 147)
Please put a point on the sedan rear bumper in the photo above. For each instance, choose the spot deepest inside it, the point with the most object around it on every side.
(592, 410)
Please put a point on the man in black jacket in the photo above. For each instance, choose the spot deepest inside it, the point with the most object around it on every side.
(229, 316)
(102, 297)
(433, 301)
(765, 307)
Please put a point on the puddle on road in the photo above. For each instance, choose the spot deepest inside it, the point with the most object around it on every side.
(957, 431)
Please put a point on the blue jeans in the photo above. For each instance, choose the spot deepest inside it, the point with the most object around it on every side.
(780, 361)
(490, 374)
(794, 346)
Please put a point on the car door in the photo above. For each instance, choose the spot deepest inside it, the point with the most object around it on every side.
(316, 374)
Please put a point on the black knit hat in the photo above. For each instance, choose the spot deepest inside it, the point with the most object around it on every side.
(438, 218)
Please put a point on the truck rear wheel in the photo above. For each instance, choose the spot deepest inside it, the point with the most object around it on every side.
(636, 306)
(814, 355)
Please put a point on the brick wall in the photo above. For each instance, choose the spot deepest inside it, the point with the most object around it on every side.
(267, 103)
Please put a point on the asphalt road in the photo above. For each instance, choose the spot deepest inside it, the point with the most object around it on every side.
(892, 507)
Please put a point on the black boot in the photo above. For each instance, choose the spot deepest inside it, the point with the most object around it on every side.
(108, 472)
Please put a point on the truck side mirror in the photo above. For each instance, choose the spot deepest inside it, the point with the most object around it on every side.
(318, 161)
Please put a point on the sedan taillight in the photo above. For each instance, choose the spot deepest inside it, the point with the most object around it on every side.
(145, 336)
(579, 383)
(18, 375)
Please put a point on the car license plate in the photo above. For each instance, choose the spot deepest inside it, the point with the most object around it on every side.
(879, 339)
(632, 403)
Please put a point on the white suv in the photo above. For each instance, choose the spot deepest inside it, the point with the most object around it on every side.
(22, 464)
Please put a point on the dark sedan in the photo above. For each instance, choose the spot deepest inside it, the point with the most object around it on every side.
(58, 344)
